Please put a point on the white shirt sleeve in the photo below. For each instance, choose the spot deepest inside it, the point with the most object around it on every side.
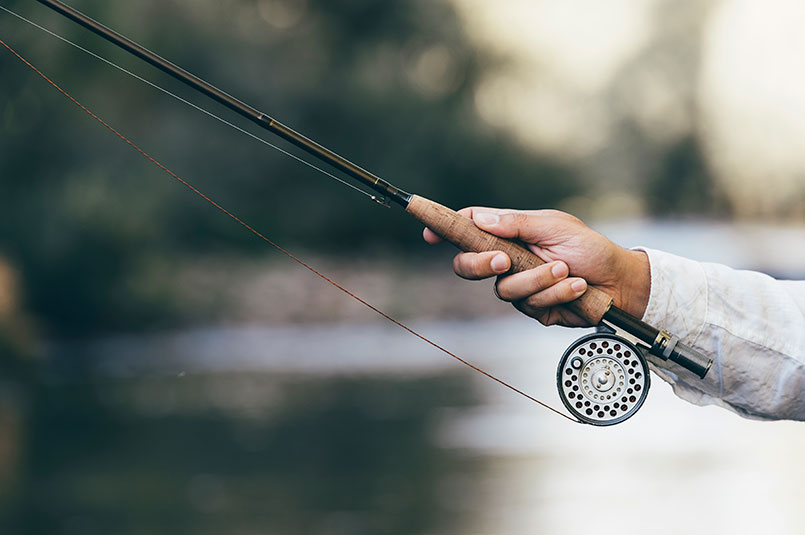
(751, 324)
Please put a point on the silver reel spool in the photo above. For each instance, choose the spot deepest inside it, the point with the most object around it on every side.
(603, 379)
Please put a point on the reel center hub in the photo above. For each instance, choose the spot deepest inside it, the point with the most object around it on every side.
(603, 378)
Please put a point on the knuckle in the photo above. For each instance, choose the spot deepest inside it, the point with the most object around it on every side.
(519, 218)
(553, 295)
(537, 300)
(563, 216)
(524, 285)
(477, 266)
(562, 293)
(550, 212)
(540, 278)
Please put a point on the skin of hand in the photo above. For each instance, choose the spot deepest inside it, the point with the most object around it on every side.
(574, 256)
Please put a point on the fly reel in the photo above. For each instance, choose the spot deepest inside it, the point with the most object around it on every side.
(603, 379)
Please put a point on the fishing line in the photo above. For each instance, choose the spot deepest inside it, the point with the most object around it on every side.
(602, 378)
(192, 105)
(274, 244)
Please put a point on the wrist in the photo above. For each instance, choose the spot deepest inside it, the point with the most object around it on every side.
(635, 283)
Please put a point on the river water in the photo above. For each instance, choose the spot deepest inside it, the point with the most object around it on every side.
(261, 430)
(361, 428)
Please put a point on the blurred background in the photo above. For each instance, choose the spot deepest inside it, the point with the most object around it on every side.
(162, 371)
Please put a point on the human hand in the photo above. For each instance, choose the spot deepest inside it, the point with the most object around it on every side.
(574, 256)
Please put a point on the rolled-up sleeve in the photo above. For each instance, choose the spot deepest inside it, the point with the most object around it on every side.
(751, 324)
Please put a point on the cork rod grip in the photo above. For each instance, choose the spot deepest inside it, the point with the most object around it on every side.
(462, 232)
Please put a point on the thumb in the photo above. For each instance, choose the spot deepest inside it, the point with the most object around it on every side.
(509, 224)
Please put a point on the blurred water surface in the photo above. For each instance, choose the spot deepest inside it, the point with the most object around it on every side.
(402, 443)
(361, 428)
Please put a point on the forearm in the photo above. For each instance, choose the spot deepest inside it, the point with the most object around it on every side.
(752, 324)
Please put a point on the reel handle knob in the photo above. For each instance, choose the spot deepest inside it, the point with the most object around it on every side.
(462, 232)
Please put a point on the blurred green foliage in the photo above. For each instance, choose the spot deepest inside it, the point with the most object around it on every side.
(682, 185)
(83, 214)
(93, 227)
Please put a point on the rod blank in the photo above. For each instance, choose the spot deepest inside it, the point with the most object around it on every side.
(261, 119)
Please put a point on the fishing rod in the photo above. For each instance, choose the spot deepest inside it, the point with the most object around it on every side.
(602, 378)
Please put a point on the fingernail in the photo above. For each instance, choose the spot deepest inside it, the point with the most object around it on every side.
(559, 270)
(579, 285)
(486, 218)
(500, 263)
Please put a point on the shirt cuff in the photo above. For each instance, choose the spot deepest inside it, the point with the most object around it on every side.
(678, 298)
(678, 304)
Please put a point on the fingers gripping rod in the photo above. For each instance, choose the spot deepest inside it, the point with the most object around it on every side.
(594, 305)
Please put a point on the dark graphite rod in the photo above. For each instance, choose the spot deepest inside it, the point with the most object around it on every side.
(240, 107)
